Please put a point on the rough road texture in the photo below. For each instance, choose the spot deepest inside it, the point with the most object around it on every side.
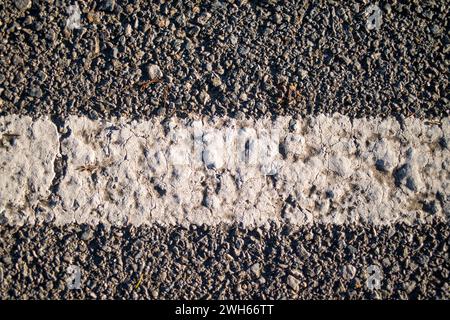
(108, 59)
(322, 169)
(224, 262)
(222, 57)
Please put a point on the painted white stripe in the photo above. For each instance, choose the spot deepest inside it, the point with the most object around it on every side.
(220, 170)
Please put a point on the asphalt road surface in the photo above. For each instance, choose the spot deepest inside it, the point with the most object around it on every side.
(96, 97)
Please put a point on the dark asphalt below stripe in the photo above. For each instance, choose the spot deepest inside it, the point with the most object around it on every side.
(225, 262)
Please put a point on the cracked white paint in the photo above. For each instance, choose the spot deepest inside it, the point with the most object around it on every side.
(27, 154)
(318, 169)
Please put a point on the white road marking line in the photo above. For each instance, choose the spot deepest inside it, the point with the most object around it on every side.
(209, 171)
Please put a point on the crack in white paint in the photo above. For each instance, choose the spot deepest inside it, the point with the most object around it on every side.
(213, 170)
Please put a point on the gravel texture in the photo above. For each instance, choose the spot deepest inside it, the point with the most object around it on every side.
(139, 58)
(225, 262)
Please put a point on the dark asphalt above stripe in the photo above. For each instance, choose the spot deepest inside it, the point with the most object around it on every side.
(139, 58)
